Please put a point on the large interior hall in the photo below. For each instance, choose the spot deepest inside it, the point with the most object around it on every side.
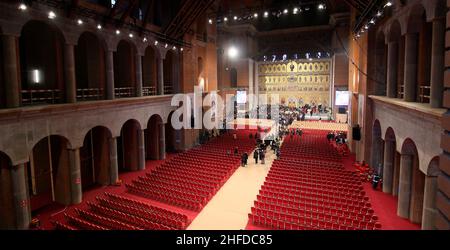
(225, 115)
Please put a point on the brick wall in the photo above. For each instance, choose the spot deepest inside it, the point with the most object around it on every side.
(443, 202)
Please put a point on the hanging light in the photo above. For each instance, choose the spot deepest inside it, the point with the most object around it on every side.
(156, 43)
(388, 4)
(99, 27)
(286, 11)
(235, 18)
(181, 49)
(144, 40)
(295, 11)
(51, 15)
(321, 6)
(130, 35)
(255, 15)
(22, 7)
(117, 32)
(225, 19)
(165, 46)
(174, 48)
(80, 22)
(210, 21)
(266, 14)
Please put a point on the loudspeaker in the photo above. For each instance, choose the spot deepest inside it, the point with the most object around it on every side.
(342, 111)
(356, 133)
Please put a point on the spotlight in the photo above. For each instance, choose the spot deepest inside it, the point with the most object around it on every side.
(388, 4)
(366, 27)
(255, 15)
(235, 18)
(286, 11)
(130, 35)
(80, 22)
(51, 15)
(321, 7)
(99, 27)
(225, 19)
(22, 7)
(165, 46)
(174, 48)
(181, 49)
(117, 32)
(379, 13)
(156, 43)
(233, 52)
(144, 40)
(295, 11)
(210, 21)
(372, 21)
(266, 14)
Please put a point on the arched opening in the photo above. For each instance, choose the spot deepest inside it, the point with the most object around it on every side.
(90, 68)
(200, 73)
(424, 57)
(412, 184)
(125, 70)
(149, 72)
(153, 137)
(380, 65)
(95, 158)
(127, 147)
(41, 62)
(396, 61)
(377, 148)
(171, 136)
(48, 172)
(430, 195)
(2, 80)
(233, 78)
(169, 72)
(391, 167)
(6, 200)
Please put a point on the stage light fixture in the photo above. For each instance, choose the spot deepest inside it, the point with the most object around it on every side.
(22, 7)
(51, 15)
(233, 52)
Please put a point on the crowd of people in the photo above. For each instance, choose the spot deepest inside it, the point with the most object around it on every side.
(339, 137)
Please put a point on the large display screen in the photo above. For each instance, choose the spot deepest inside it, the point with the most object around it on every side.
(241, 97)
(342, 98)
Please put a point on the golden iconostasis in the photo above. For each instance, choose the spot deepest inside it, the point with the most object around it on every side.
(297, 82)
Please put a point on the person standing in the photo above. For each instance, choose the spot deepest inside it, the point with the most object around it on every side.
(262, 155)
(256, 155)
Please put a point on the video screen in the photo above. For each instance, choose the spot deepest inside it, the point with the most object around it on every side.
(342, 98)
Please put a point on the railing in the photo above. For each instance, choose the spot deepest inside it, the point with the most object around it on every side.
(424, 94)
(148, 91)
(168, 89)
(401, 91)
(41, 96)
(90, 94)
(202, 37)
(124, 92)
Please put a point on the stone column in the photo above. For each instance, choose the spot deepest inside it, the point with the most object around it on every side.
(69, 73)
(392, 69)
(437, 63)
(109, 75)
(75, 176)
(411, 42)
(388, 166)
(160, 62)
(114, 164)
(20, 197)
(141, 148)
(162, 141)
(139, 75)
(11, 71)
(404, 194)
(429, 203)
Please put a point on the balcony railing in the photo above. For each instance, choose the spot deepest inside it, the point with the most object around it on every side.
(401, 91)
(41, 96)
(124, 92)
(148, 91)
(168, 89)
(90, 94)
(424, 94)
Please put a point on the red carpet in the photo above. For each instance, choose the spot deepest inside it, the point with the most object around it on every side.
(385, 205)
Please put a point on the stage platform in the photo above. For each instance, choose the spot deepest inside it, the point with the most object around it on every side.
(320, 125)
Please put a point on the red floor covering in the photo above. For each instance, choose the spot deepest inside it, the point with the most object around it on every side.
(384, 205)
(56, 212)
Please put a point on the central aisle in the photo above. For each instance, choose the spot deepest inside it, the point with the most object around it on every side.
(229, 208)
